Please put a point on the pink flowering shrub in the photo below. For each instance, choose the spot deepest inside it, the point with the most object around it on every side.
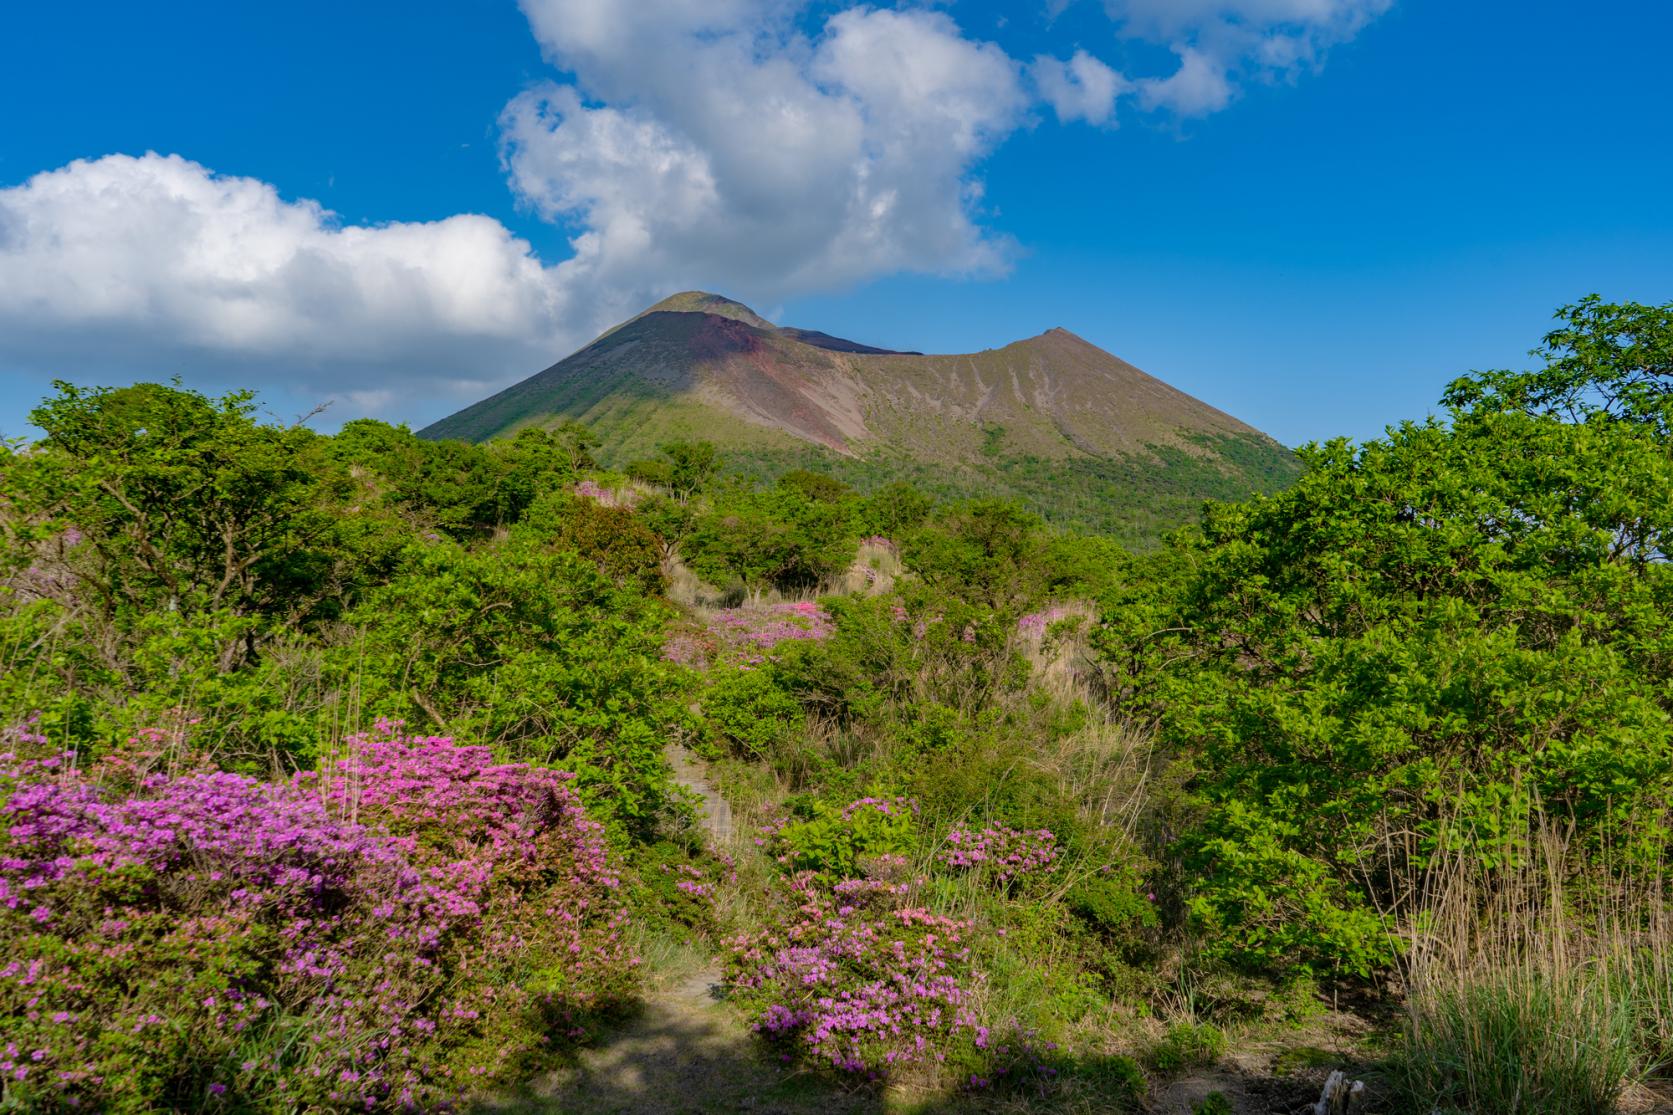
(858, 979)
(1000, 853)
(685, 649)
(679, 892)
(760, 628)
(746, 636)
(390, 934)
(857, 975)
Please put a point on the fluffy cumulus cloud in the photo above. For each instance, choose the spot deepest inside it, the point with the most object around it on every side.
(155, 263)
(766, 148)
(718, 144)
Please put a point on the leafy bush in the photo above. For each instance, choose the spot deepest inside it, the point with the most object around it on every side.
(834, 842)
(611, 539)
(780, 538)
(750, 713)
(533, 651)
(149, 499)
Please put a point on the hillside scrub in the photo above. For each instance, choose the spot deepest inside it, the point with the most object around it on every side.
(183, 579)
(336, 767)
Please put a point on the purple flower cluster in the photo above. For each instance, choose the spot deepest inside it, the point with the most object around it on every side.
(888, 807)
(1035, 623)
(858, 979)
(392, 933)
(685, 649)
(692, 881)
(763, 627)
(1005, 853)
(609, 497)
(747, 635)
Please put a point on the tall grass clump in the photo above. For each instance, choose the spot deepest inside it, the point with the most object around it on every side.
(1528, 989)
(1650, 975)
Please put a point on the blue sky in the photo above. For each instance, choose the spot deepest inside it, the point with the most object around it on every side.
(1331, 209)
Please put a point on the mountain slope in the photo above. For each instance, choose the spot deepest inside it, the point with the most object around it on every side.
(1078, 433)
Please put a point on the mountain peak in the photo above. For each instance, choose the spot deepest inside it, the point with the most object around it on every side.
(1058, 333)
(1054, 419)
(703, 302)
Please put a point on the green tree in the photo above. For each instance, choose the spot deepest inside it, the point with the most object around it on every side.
(1606, 360)
(1429, 637)
(986, 550)
(577, 441)
(186, 505)
(894, 510)
(778, 538)
(461, 489)
(816, 486)
(536, 462)
(531, 649)
(691, 465)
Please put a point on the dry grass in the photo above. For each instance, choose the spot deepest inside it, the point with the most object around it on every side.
(876, 568)
(1539, 990)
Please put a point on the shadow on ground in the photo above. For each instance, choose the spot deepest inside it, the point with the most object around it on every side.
(684, 1053)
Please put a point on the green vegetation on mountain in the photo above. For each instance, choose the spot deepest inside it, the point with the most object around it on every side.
(1082, 438)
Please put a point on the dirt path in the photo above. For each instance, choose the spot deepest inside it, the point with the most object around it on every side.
(685, 1051)
(716, 811)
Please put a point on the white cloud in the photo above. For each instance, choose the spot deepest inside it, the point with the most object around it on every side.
(155, 263)
(1197, 88)
(1221, 43)
(1083, 88)
(723, 147)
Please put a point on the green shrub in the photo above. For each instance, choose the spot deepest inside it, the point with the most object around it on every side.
(1215, 1103)
(750, 713)
(780, 538)
(532, 651)
(1427, 636)
(671, 888)
(1187, 1045)
(835, 839)
(611, 539)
